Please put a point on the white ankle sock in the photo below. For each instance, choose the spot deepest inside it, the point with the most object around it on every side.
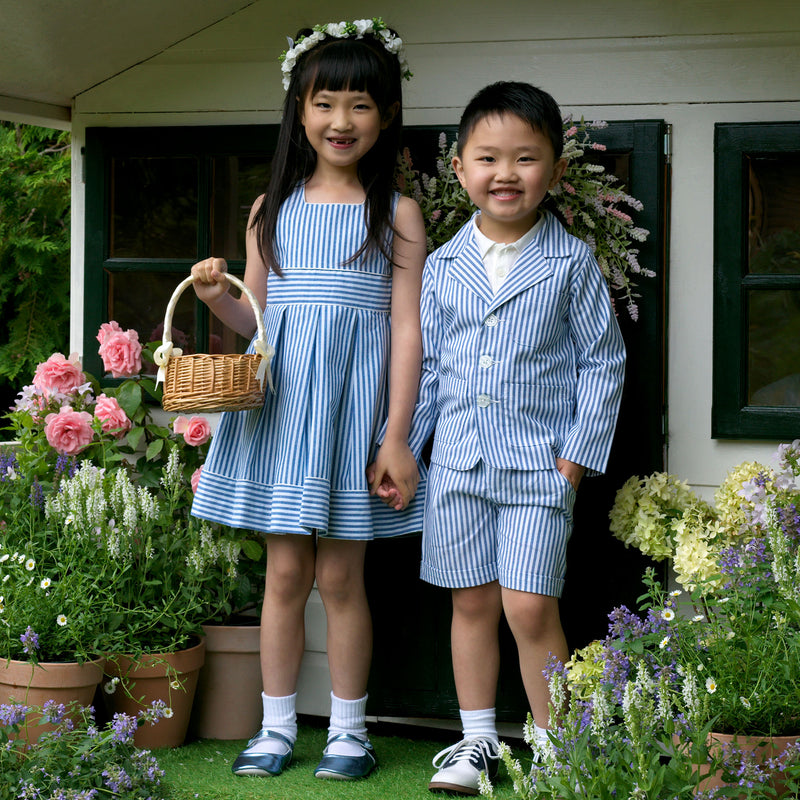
(479, 723)
(279, 716)
(540, 735)
(347, 716)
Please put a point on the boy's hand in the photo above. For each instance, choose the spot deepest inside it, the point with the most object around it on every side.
(571, 471)
(394, 476)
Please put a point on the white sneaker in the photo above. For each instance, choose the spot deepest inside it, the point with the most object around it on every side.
(461, 764)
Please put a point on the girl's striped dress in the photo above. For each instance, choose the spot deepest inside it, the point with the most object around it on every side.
(297, 464)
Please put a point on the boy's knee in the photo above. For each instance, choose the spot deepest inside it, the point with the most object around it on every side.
(477, 602)
(534, 613)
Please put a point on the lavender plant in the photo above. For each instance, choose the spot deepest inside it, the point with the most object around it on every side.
(77, 760)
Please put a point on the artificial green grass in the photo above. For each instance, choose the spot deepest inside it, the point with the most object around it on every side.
(202, 770)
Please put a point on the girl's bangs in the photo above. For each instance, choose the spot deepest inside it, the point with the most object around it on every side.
(342, 67)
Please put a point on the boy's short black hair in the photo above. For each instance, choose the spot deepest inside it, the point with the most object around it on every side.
(530, 104)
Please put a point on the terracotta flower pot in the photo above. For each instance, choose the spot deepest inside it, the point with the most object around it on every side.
(762, 748)
(171, 677)
(228, 702)
(34, 684)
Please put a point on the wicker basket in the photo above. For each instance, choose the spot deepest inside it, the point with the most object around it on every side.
(207, 383)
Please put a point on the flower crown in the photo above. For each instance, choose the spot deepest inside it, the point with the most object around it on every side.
(344, 30)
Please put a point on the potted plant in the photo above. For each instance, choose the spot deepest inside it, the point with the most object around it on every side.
(736, 622)
(50, 635)
(110, 478)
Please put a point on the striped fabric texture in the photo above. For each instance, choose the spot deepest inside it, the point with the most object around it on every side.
(297, 464)
(532, 373)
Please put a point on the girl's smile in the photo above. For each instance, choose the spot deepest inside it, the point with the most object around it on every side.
(341, 126)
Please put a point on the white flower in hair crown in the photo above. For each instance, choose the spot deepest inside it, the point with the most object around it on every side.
(344, 30)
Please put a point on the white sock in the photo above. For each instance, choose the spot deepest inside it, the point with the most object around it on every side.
(540, 735)
(279, 716)
(479, 723)
(347, 716)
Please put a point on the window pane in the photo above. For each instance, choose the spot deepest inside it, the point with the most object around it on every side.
(223, 340)
(238, 181)
(774, 348)
(153, 208)
(139, 300)
(775, 213)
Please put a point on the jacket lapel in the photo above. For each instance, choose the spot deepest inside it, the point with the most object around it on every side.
(466, 265)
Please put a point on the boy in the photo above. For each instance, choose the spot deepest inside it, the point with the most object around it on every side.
(523, 368)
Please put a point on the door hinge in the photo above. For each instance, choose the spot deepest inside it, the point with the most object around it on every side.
(668, 144)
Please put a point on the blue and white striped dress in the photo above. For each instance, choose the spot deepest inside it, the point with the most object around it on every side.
(297, 464)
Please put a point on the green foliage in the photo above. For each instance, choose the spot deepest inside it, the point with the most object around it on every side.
(34, 246)
(77, 760)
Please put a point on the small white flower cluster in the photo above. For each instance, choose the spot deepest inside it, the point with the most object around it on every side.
(344, 30)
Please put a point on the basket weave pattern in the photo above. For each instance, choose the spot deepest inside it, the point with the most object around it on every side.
(215, 382)
(209, 383)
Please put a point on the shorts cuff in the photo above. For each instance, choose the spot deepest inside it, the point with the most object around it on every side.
(536, 584)
(457, 579)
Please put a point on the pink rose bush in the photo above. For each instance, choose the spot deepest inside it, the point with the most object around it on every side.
(59, 375)
(68, 432)
(63, 415)
(196, 431)
(112, 417)
(120, 350)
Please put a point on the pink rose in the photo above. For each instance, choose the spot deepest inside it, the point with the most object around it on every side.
(59, 374)
(195, 430)
(122, 353)
(106, 329)
(69, 431)
(196, 479)
(114, 419)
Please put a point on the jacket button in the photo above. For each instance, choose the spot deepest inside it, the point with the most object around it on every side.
(484, 400)
(491, 321)
(484, 362)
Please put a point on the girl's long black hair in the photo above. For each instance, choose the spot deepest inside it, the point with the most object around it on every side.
(337, 64)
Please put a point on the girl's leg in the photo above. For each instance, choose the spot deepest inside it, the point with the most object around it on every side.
(340, 581)
(535, 622)
(289, 578)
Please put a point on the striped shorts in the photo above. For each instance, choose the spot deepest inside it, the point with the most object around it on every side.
(486, 524)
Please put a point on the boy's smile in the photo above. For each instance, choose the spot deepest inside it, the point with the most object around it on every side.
(507, 169)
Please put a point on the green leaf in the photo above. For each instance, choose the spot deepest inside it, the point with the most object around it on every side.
(129, 396)
(252, 549)
(154, 448)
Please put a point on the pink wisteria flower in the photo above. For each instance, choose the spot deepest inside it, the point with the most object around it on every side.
(195, 430)
(69, 431)
(120, 350)
(113, 418)
(59, 374)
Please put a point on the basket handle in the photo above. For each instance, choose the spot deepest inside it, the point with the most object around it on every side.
(262, 347)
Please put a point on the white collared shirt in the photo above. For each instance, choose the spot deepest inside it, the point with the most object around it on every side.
(499, 258)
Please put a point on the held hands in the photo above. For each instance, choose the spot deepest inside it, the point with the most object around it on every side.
(393, 476)
(210, 282)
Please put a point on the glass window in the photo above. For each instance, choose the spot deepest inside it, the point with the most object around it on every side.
(154, 206)
(757, 281)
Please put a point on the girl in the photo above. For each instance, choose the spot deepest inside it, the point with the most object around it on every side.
(332, 252)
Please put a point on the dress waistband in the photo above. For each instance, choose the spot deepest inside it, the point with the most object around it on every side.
(341, 287)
